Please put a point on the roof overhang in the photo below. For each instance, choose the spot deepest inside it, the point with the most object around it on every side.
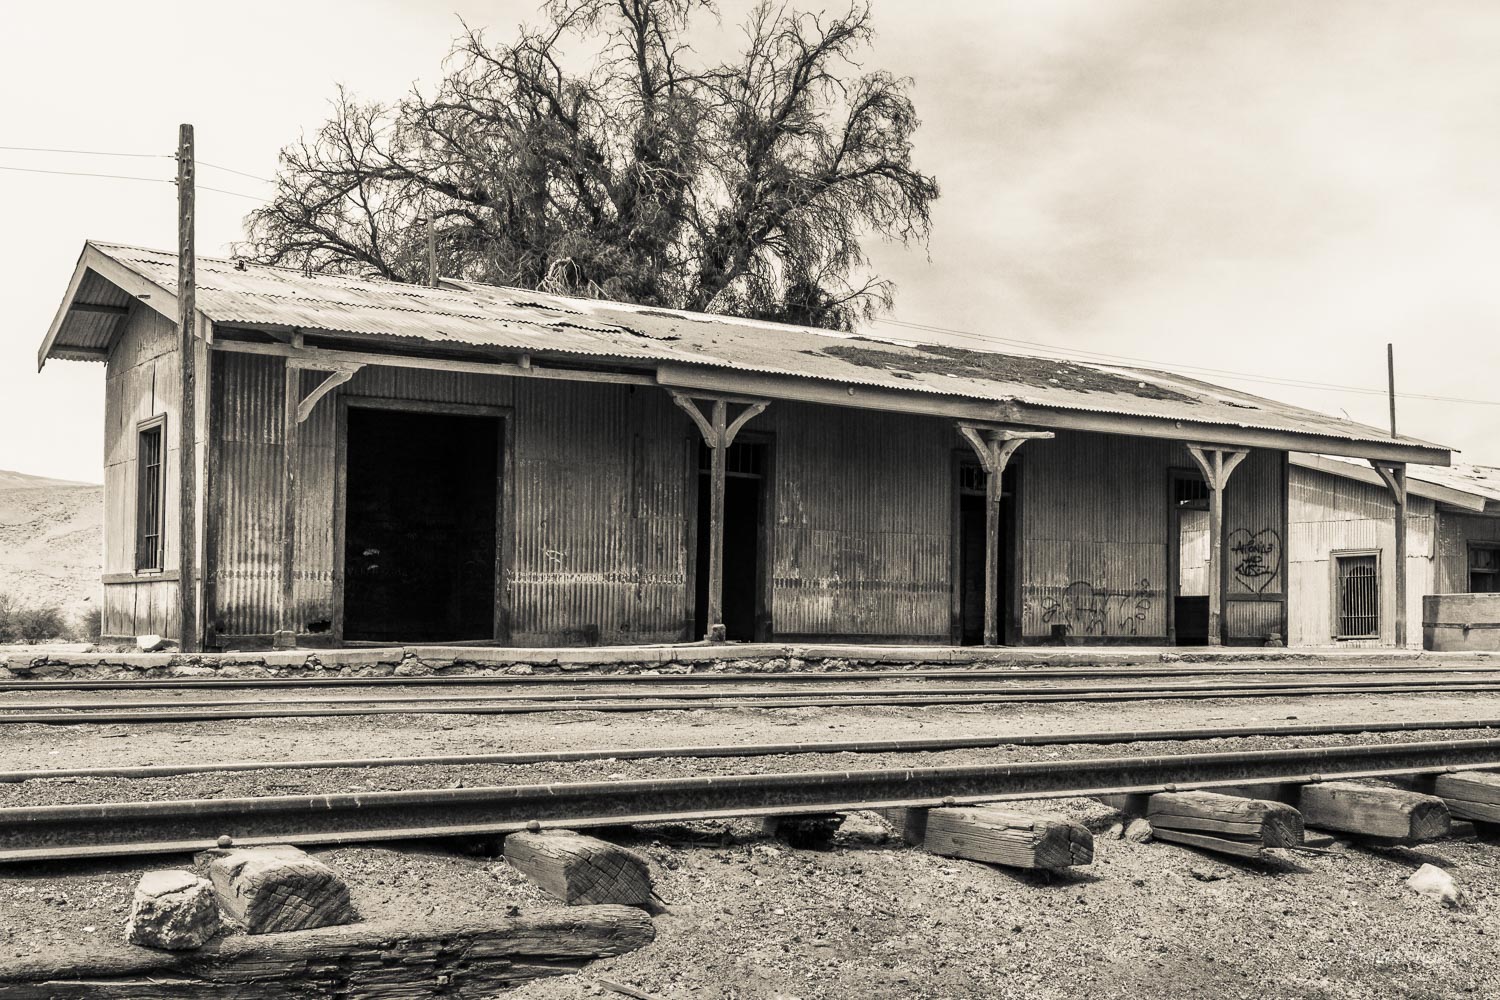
(1458, 499)
(93, 261)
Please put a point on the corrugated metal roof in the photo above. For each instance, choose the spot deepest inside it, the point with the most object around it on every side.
(1482, 482)
(514, 319)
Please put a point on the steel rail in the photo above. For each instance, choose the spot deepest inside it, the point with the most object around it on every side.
(706, 677)
(32, 833)
(530, 707)
(586, 697)
(901, 745)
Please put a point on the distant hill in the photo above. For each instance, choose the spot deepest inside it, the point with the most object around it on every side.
(51, 539)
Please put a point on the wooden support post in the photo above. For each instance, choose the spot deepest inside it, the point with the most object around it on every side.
(1394, 474)
(187, 312)
(1391, 815)
(578, 869)
(994, 446)
(718, 433)
(996, 836)
(338, 374)
(1223, 823)
(1216, 464)
(290, 488)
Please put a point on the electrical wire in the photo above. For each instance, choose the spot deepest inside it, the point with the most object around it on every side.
(80, 173)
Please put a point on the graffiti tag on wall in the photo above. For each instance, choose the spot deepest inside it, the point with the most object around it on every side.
(1255, 557)
(1088, 609)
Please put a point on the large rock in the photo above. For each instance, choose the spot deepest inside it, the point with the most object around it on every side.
(173, 910)
(279, 888)
(1430, 880)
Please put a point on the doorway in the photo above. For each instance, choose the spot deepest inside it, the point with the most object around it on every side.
(422, 494)
(745, 503)
(1190, 545)
(971, 546)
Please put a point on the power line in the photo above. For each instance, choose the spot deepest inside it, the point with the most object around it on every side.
(82, 152)
(80, 173)
(231, 170)
(237, 194)
(1096, 357)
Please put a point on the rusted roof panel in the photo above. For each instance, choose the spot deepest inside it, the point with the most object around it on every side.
(472, 314)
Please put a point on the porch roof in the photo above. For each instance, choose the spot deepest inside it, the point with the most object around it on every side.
(697, 352)
(1472, 488)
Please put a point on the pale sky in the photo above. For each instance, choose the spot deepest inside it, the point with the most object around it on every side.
(1271, 188)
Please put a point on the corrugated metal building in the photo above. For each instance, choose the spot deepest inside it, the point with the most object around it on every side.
(1342, 546)
(383, 462)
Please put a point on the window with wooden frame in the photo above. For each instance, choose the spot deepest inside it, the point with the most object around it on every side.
(1356, 595)
(150, 493)
(1484, 568)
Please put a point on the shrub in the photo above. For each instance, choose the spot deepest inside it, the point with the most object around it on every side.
(19, 623)
(90, 625)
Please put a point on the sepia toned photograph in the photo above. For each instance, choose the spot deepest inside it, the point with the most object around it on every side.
(750, 500)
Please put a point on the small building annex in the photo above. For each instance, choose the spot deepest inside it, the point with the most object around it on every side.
(370, 461)
(1342, 552)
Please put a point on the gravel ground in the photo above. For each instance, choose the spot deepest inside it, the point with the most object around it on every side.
(748, 918)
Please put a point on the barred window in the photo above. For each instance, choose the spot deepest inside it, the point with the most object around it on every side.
(150, 496)
(1357, 596)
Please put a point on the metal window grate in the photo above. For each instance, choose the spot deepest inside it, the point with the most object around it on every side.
(971, 478)
(1484, 569)
(1358, 597)
(1191, 492)
(742, 459)
(148, 508)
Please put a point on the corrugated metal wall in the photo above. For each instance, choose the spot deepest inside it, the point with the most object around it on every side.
(142, 380)
(1254, 548)
(1455, 532)
(1331, 513)
(861, 525)
(1094, 524)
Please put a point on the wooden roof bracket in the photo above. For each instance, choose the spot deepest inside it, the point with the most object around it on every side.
(718, 426)
(339, 372)
(1216, 462)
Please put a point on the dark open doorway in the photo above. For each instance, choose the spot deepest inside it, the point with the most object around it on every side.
(420, 510)
(971, 545)
(1190, 541)
(744, 536)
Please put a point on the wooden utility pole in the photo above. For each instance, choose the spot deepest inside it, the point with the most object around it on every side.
(187, 347)
(1390, 381)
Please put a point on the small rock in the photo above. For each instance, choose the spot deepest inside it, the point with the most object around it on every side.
(174, 910)
(150, 643)
(1116, 831)
(1208, 874)
(1430, 880)
(1139, 831)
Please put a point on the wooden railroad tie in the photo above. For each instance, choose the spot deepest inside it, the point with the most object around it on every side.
(1223, 823)
(279, 888)
(1387, 815)
(578, 869)
(388, 959)
(996, 836)
(1472, 795)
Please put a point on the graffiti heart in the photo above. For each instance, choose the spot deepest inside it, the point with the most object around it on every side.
(1255, 557)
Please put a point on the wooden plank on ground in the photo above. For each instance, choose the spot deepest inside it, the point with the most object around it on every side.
(1473, 795)
(390, 959)
(1389, 814)
(578, 869)
(1224, 823)
(997, 836)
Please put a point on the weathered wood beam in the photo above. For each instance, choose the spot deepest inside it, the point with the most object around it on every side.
(1393, 815)
(389, 958)
(1472, 795)
(1224, 823)
(718, 433)
(313, 355)
(994, 445)
(99, 309)
(1394, 476)
(996, 836)
(187, 423)
(580, 870)
(1216, 463)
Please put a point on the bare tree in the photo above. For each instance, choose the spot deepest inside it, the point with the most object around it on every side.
(744, 188)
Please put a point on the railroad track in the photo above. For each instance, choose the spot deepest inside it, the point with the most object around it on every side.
(707, 677)
(159, 712)
(36, 833)
(722, 750)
